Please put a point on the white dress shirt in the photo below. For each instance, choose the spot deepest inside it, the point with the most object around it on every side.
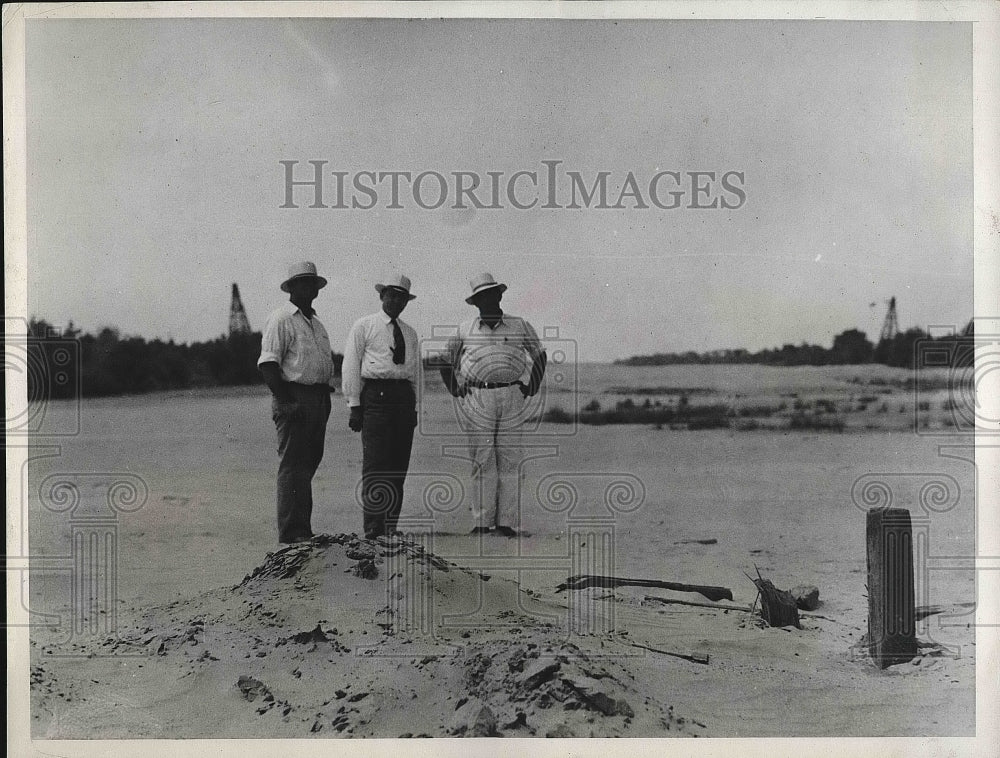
(299, 345)
(501, 354)
(368, 354)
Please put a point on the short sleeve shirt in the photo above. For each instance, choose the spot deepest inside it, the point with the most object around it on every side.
(299, 345)
(502, 354)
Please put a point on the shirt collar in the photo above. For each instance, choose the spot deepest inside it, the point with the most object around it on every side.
(482, 323)
(293, 309)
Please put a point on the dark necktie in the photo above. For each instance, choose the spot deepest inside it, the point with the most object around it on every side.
(399, 351)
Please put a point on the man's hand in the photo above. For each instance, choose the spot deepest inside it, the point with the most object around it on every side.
(450, 379)
(537, 374)
(357, 418)
(280, 390)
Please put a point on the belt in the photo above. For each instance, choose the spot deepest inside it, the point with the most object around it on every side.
(491, 385)
(317, 386)
(386, 381)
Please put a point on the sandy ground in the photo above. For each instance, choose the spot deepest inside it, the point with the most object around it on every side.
(216, 632)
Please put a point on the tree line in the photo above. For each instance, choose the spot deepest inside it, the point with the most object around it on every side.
(68, 363)
(849, 348)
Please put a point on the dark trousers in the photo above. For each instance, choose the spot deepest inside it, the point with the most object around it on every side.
(300, 450)
(390, 417)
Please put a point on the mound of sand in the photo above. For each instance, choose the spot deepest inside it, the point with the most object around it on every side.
(342, 636)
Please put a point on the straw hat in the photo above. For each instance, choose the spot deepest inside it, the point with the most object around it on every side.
(482, 283)
(398, 282)
(300, 271)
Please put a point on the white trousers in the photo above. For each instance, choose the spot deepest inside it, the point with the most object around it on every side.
(492, 420)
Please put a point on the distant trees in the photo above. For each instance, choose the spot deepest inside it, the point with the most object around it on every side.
(108, 364)
(787, 355)
(794, 355)
(849, 347)
(63, 364)
(900, 350)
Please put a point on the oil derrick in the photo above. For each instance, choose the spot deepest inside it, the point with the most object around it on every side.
(238, 321)
(890, 327)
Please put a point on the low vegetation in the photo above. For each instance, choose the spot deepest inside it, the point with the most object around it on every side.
(628, 412)
(684, 415)
(623, 390)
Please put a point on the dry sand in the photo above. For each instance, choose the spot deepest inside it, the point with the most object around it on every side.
(221, 634)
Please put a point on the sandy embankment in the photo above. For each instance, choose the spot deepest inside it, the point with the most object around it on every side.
(314, 643)
(345, 637)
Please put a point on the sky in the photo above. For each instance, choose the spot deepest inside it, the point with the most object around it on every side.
(154, 178)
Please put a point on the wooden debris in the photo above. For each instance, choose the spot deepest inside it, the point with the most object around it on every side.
(709, 541)
(583, 581)
(777, 607)
(744, 608)
(714, 606)
(693, 657)
(891, 612)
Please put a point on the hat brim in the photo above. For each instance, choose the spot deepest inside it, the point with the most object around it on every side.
(471, 298)
(380, 287)
(319, 280)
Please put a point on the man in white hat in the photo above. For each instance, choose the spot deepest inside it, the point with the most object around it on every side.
(487, 363)
(380, 372)
(297, 364)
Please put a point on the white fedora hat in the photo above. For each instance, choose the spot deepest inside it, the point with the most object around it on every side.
(482, 283)
(397, 282)
(301, 270)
